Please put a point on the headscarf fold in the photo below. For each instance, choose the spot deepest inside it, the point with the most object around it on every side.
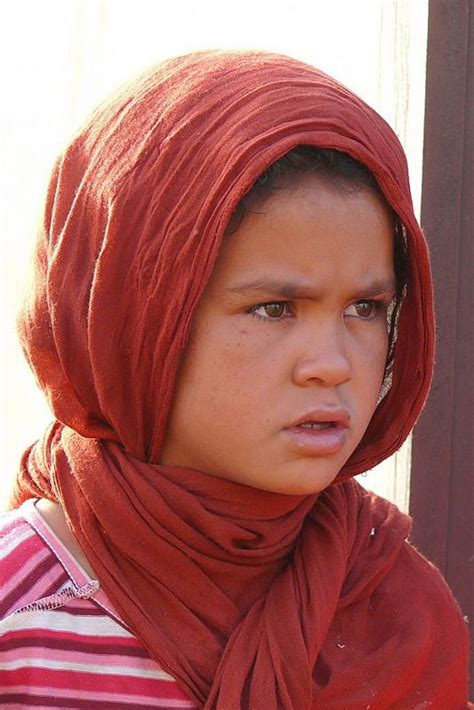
(249, 599)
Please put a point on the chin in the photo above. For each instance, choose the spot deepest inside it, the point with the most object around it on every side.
(301, 485)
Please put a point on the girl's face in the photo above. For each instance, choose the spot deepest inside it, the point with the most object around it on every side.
(288, 350)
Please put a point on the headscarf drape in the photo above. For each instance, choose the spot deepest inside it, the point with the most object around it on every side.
(248, 598)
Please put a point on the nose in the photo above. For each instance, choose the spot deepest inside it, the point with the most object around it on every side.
(323, 358)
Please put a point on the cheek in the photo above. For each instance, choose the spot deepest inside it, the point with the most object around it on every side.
(218, 369)
(372, 360)
(230, 377)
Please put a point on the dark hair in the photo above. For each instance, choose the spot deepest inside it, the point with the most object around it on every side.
(347, 174)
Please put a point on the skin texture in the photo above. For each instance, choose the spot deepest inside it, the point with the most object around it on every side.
(53, 514)
(292, 327)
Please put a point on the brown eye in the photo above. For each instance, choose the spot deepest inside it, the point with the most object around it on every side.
(277, 311)
(365, 309)
(274, 310)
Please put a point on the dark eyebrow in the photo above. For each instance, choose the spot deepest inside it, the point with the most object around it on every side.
(291, 289)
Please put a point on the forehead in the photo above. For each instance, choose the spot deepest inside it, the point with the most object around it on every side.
(313, 227)
(332, 195)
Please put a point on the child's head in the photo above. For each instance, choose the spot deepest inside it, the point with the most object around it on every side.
(205, 301)
(289, 345)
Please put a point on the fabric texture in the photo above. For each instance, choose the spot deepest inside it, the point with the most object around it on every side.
(266, 599)
(62, 644)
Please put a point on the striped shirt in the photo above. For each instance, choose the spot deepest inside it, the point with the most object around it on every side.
(62, 644)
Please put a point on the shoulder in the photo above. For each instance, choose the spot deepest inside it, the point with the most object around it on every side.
(423, 584)
(396, 605)
(28, 568)
(431, 621)
(61, 641)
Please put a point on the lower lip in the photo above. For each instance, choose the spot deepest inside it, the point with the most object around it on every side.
(317, 442)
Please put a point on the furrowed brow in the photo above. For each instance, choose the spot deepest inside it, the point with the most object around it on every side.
(379, 288)
(295, 290)
(273, 287)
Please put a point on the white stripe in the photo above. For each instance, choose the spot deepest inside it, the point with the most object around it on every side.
(61, 621)
(99, 668)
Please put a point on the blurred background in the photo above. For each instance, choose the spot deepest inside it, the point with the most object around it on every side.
(59, 58)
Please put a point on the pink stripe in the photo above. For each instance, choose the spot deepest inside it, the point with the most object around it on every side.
(112, 659)
(21, 557)
(34, 581)
(24, 568)
(125, 641)
(130, 698)
(82, 607)
(67, 679)
(51, 577)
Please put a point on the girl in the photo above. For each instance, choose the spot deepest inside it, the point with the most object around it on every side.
(231, 318)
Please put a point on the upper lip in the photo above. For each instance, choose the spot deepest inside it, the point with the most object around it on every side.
(338, 415)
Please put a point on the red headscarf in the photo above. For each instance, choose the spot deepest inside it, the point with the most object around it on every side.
(250, 599)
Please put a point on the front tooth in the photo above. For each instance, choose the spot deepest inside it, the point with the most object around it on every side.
(316, 425)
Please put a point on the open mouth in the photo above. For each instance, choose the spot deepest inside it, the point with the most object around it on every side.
(316, 436)
(317, 425)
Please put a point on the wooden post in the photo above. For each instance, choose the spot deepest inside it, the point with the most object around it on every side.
(442, 474)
